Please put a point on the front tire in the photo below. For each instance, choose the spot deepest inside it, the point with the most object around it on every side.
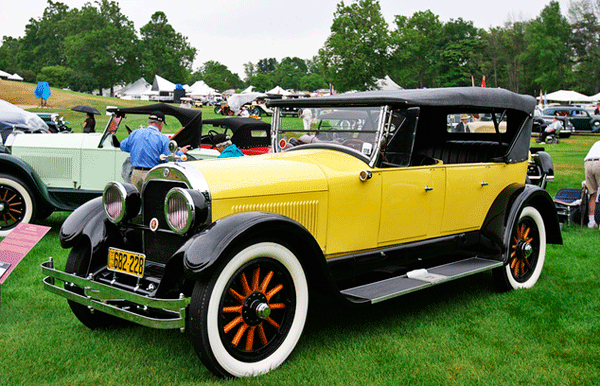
(17, 204)
(248, 318)
(77, 263)
(527, 252)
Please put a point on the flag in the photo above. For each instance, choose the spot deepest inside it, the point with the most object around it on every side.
(483, 81)
(472, 81)
(541, 97)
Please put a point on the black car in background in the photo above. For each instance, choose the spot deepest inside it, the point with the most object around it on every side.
(580, 118)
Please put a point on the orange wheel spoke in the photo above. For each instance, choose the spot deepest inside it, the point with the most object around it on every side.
(516, 270)
(5, 195)
(250, 338)
(513, 254)
(265, 283)
(529, 240)
(232, 324)
(239, 334)
(272, 292)
(277, 306)
(236, 295)
(9, 200)
(236, 309)
(15, 210)
(526, 233)
(272, 322)
(11, 216)
(261, 334)
(513, 262)
(245, 286)
(255, 279)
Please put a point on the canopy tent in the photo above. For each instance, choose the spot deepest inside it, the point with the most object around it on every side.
(387, 84)
(248, 89)
(279, 91)
(199, 88)
(161, 84)
(238, 100)
(567, 96)
(136, 89)
(595, 97)
(15, 76)
(4, 74)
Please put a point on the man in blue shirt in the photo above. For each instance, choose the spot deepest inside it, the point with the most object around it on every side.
(146, 146)
(223, 144)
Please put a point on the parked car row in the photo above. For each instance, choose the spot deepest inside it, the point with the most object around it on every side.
(574, 119)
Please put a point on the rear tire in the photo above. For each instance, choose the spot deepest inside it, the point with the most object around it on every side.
(247, 318)
(527, 252)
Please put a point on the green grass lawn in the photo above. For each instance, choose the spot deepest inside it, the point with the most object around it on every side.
(459, 333)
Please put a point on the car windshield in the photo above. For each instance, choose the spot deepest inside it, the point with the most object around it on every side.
(354, 128)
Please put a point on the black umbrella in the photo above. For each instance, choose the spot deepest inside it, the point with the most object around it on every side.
(86, 109)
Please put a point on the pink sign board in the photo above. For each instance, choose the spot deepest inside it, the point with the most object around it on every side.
(17, 244)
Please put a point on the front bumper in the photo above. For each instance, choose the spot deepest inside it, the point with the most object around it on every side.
(140, 309)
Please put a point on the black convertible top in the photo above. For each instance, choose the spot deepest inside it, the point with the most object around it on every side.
(191, 120)
(234, 124)
(477, 97)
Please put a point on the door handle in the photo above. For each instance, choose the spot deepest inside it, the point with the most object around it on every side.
(428, 188)
(483, 183)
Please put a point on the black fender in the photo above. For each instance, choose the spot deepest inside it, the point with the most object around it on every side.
(203, 252)
(14, 166)
(88, 220)
(506, 209)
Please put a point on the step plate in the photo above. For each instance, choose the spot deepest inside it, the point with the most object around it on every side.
(419, 279)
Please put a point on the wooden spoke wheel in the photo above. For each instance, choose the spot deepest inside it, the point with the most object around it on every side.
(247, 318)
(527, 252)
(16, 204)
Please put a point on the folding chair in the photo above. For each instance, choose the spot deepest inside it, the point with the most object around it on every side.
(567, 199)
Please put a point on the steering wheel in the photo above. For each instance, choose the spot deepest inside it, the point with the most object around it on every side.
(211, 135)
(354, 143)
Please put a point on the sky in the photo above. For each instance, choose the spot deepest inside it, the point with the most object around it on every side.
(234, 32)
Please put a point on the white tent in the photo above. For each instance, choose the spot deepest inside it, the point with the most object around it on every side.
(4, 74)
(567, 96)
(238, 100)
(136, 90)
(15, 76)
(248, 89)
(278, 91)
(595, 97)
(199, 89)
(387, 84)
(161, 84)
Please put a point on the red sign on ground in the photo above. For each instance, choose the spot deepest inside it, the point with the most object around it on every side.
(17, 244)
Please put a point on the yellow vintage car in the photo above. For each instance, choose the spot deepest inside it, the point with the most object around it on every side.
(381, 197)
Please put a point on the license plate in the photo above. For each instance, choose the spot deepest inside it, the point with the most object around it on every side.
(130, 263)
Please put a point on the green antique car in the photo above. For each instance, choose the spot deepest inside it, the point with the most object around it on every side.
(43, 173)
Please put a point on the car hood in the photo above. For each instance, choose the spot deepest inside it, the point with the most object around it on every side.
(272, 174)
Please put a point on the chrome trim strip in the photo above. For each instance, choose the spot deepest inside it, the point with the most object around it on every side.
(96, 294)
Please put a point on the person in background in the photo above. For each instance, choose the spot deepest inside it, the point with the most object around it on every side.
(244, 112)
(223, 144)
(463, 125)
(89, 126)
(146, 146)
(307, 118)
(597, 109)
(591, 165)
(550, 129)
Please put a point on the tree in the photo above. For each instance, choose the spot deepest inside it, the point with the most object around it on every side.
(249, 70)
(584, 16)
(416, 54)
(266, 65)
(355, 53)
(547, 55)
(289, 73)
(164, 51)
(312, 82)
(261, 82)
(57, 76)
(105, 48)
(218, 76)
(461, 47)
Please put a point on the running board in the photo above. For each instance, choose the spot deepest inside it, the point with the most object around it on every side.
(419, 279)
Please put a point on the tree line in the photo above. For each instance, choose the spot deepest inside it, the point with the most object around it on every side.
(97, 46)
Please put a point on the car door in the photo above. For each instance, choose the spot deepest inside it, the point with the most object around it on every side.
(581, 120)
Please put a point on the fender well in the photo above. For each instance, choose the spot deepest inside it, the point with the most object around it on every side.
(11, 165)
(205, 250)
(507, 207)
(89, 220)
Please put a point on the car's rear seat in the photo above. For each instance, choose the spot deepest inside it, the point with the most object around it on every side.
(458, 152)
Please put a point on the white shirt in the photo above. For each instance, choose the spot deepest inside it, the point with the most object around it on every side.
(594, 152)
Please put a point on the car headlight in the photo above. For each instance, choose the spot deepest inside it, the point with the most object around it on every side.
(121, 201)
(185, 209)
